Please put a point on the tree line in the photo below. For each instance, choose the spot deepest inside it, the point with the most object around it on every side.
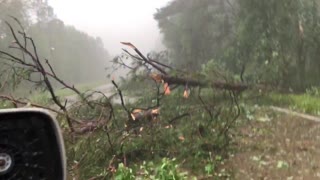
(76, 56)
(268, 41)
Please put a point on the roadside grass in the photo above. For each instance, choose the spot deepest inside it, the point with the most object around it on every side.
(304, 103)
(5, 105)
(81, 87)
(43, 98)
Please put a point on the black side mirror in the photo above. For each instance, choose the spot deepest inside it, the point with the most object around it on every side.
(31, 146)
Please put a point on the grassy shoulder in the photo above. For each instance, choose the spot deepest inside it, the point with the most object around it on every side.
(43, 98)
(304, 103)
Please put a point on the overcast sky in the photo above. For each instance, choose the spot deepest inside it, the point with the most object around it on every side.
(113, 20)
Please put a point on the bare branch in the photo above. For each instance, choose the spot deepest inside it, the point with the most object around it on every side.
(121, 98)
(178, 117)
(144, 58)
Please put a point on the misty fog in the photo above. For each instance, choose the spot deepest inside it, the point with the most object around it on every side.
(114, 21)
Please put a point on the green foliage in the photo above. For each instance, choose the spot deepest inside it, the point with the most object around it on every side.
(88, 156)
(42, 98)
(124, 173)
(191, 139)
(313, 91)
(277, 42)
(195, 31)
(209, 169)
(305, 103)
(168, 170)
(212, 165)
(5, 105)
(270, 41)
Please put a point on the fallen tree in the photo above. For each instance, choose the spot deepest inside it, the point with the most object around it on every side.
(177, 80)
(208, 115)
(30, 64)
(161, 75)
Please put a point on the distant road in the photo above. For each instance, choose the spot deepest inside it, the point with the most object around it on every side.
(107, 90)
(104, 88)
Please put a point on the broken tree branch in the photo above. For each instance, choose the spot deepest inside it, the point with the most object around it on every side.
(198, 83)
(174, 80)
(121, 98)
(144, 58)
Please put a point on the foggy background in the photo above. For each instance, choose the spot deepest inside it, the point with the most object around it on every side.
(114, 21)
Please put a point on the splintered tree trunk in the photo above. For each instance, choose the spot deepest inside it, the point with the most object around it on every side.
(198, 83)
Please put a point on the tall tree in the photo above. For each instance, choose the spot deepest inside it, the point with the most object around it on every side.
(269, 41)
(76, 56)
(277, 40)
(195, 31)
